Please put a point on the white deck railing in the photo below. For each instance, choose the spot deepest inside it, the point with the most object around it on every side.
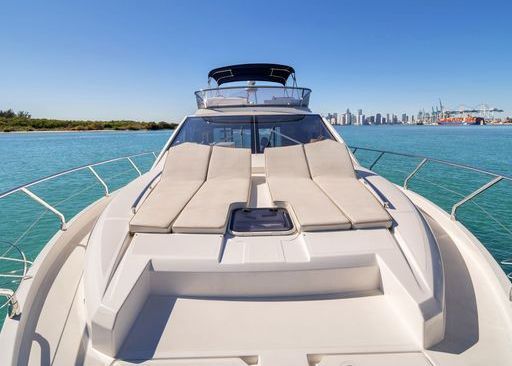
(13, 261)
(256, 95)
(494, 231)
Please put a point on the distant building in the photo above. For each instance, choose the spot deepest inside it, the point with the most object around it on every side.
(348, 117)
(360, 119)
(332, 118)
(378, 119)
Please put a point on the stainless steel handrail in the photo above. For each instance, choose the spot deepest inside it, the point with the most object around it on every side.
(424, 160)
(446, 162)
(254, 87)
(8, 293)
(302, 95)
(64, 172)
(496, 178)
(14, 309)
(24, 188)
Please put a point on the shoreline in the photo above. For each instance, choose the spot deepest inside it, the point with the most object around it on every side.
(80, 131)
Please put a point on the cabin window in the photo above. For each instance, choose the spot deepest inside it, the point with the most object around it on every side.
(254, 132)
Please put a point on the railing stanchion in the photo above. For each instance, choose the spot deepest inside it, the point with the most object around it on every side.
(14, 308)
(418, 167)
(376, 160)
(135, 166)
(100, 180)
(473, 195)
(46, 205)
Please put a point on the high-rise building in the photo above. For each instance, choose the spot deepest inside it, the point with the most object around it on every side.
(348, 117)
(359, 120)
(388, 119)
(378, 119)
(404, 118)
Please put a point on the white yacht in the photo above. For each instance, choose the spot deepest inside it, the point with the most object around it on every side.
(257, 238)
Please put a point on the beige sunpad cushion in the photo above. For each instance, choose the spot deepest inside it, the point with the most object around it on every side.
(331, 167)
(290, 185)
(329, 158)
(183, 174)
(227, 186)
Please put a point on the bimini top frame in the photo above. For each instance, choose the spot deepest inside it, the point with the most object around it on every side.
(252, 72)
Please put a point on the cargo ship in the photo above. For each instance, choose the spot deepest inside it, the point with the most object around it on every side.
(461, 121)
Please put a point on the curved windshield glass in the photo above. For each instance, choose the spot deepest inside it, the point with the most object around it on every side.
(254, 132)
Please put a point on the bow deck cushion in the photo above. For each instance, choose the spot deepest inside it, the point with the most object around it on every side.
(183, 174)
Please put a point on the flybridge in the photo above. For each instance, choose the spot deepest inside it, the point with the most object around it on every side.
(252, 94)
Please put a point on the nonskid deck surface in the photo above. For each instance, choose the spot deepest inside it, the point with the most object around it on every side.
(176, 327)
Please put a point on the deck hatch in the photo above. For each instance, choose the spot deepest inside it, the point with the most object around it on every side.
(261, 220)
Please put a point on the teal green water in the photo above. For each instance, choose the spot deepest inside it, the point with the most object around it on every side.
(25, 157)
(489, 215)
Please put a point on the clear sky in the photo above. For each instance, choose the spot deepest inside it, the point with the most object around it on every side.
(143, 59)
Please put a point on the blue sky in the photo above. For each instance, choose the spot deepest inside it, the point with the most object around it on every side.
(143, 59)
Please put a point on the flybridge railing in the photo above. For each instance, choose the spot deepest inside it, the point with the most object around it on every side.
(253, 95)
(50, 195)
(481, 200)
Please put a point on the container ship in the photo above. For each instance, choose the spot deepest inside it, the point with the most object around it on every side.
(461, 121)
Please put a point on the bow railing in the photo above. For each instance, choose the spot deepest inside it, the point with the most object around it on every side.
(480, 199)
(33, 212)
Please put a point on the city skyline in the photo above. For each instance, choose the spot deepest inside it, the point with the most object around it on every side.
(422, 117)
(359, 118)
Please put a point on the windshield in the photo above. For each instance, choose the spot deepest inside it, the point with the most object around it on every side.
(254, 132)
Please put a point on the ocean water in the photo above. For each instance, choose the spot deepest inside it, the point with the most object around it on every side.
(25, 226)
(489, 215)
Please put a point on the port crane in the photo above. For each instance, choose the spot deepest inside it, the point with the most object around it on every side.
(484, 110)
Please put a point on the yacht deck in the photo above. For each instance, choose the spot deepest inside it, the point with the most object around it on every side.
(232, 326)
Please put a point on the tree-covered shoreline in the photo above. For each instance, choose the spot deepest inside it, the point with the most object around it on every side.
(21, 121)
